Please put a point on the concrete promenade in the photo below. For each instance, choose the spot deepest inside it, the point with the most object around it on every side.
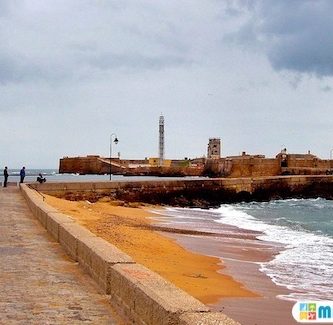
(39, 284)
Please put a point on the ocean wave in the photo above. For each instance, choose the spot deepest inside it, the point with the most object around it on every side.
(304, 266)
(181, 213)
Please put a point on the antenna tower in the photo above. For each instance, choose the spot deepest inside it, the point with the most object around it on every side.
(161, 141)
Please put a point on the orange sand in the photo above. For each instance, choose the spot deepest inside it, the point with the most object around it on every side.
(128, 229)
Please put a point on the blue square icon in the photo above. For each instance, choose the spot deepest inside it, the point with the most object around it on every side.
(303, 307)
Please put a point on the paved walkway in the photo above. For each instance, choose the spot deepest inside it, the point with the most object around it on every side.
(38, 283)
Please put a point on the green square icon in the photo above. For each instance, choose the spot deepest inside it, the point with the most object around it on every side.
(312, 307)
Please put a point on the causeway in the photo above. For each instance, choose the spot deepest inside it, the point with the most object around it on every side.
(39, 284)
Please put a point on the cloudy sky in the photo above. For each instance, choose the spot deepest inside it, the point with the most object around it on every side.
(257, 74)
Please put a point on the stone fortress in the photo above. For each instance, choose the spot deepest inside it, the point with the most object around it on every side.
(244, 165)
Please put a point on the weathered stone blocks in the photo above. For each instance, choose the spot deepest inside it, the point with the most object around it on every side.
(149, 298)
(69, 235)
(54, 220)
(41, 211)
(97, 256)
(206, 319)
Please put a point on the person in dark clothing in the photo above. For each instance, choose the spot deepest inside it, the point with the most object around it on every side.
(41, 179)
(22, 174)
(5, 175)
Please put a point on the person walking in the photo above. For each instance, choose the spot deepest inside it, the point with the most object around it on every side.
(22, 174)
(5, 175)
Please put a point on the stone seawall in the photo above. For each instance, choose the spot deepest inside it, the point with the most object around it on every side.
(196, 193)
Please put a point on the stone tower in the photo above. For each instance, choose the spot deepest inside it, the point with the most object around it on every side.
(161, 140)
(214, 148)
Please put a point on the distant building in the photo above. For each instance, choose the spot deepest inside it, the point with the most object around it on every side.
(214, 148)
(155, 162)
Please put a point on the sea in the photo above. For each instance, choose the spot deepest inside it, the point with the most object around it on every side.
(302, 229)
(53, 175)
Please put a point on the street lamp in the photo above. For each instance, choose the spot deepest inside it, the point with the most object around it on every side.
(115, 141)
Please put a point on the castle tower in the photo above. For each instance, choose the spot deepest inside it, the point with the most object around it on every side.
(214, 148)
(161, 140)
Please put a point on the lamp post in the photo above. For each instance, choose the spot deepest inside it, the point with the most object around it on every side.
(115, 141)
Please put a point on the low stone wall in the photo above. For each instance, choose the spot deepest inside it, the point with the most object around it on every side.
(196, 193)
(144, 296)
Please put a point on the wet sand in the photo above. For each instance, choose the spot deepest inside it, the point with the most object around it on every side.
(241, 260)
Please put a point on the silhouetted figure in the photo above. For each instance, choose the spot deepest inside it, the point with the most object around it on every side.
(22, 174)
(5, 175)
(41, 179)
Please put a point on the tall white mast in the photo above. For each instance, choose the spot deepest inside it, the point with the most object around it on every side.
(161, 140)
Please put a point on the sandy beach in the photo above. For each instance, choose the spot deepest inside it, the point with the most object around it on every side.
(234, 286)
(132, 230)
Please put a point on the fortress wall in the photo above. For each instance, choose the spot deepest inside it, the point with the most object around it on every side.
(325, 164)
(241, 166)
(164, 171)
(308, 163)
(307, 166)
(81, 165)
(255, 167)
(96, 165)
(142, 295)
(300, 163)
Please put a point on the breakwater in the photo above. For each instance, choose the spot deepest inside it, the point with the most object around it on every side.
(196, 193)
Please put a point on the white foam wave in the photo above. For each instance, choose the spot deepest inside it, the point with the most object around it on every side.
(180, 213)
(305, 265)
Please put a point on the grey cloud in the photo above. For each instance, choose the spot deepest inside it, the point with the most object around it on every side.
(136, 61)
(21, 69)
(81, 66)
(6, 6)
(295, 35)
(68, 42)
(16, 69)
(326, 89)
(7, 70)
